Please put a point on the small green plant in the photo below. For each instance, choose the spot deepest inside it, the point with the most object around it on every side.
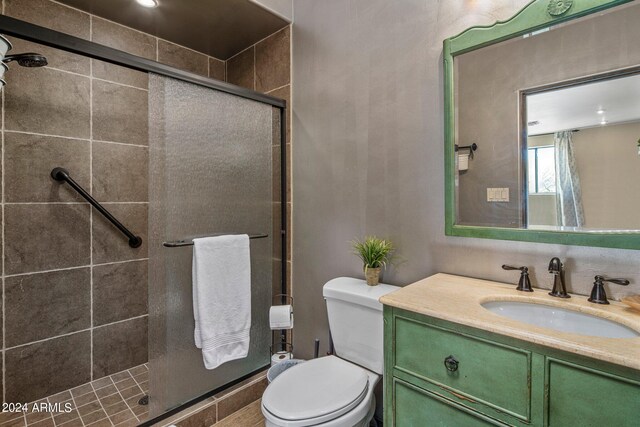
(374, 252)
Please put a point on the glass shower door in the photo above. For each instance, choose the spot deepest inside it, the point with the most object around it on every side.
(210, 173)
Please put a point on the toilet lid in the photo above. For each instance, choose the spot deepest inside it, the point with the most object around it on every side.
(326, 387)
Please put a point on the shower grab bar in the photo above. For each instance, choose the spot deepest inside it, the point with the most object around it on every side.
(61, 174)
(183, 243)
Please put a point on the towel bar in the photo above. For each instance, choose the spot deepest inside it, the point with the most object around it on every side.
(182, 243)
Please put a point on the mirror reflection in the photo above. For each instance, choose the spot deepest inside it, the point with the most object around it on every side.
(583, 156)
(555, 119)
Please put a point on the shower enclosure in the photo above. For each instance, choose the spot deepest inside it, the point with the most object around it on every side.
(210, 174)
(90, 319)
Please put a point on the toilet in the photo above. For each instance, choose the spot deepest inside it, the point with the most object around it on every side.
(336, 390)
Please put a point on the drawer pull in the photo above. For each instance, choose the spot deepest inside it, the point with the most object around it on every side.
(451, 363)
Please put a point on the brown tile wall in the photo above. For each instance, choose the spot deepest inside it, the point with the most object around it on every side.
(75, 293)
(266, 67)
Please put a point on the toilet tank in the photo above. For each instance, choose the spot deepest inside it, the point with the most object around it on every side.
(355, 320)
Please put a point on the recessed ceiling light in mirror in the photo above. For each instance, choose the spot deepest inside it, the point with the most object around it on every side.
(148, 3)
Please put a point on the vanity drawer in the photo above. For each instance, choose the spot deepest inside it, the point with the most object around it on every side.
(483, 373)
(417, 407)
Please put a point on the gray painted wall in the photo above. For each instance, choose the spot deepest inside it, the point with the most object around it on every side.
(609, 172)
(368, 155)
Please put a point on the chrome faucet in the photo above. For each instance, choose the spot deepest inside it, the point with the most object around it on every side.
(557, 269)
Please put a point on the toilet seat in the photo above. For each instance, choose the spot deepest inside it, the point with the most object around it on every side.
(316, 391)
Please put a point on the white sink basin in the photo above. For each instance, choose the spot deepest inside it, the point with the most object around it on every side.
(560, 319)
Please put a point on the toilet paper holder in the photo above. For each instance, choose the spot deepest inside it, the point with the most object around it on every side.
(285, 344)
(473, 147)
(285, 347)
(283, 298)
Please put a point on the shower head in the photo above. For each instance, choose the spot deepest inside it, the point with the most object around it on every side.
(27, 59)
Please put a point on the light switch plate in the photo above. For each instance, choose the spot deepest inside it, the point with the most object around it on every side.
(497, 195)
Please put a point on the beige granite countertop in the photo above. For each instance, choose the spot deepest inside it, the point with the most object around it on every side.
(457, 299)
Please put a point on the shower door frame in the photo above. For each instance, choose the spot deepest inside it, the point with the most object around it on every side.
(34, 33)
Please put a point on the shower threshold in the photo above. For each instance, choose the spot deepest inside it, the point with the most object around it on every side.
(109, 401)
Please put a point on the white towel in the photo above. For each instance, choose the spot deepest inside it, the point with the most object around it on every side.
(222, 297)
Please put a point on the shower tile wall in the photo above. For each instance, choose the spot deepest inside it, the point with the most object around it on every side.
(75, 294)
(266, 67)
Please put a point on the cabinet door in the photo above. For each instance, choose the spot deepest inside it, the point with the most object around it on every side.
(579, 396)
(414, 407)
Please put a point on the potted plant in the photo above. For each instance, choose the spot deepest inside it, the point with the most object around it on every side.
(374, 253)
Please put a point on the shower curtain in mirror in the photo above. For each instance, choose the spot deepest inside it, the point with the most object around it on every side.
(568, 191)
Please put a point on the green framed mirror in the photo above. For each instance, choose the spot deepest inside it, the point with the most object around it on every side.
(542, 126)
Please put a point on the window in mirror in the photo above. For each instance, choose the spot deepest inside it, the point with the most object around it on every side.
(542, 170)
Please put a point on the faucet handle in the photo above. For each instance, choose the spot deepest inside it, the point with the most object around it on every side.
(508, 267)
(598, 294)
(623, 282)
(524, 284)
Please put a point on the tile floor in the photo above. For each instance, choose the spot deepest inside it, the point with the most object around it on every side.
(109, 401)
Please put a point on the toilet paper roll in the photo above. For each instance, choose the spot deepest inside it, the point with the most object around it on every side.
(281, 317)
(280, 356)
(463, 162)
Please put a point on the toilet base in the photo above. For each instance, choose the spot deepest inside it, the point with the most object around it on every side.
(344, 421)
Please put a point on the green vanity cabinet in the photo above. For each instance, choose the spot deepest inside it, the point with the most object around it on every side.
(439, 373)
(422, 408)
(577, 395)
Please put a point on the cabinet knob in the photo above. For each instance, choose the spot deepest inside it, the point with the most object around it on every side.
(451, 363)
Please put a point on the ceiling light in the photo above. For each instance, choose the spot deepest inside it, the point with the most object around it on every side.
(601, 111)
(148, 3)
(604, 122)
